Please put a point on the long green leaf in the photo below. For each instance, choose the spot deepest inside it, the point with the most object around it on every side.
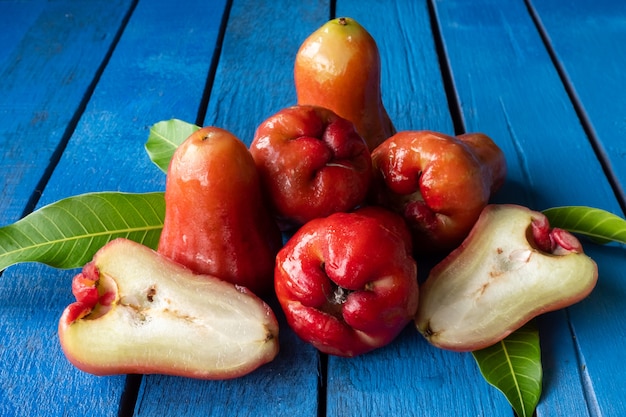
(513, 366)
(67, 233)
(597, 224)
(164, 138)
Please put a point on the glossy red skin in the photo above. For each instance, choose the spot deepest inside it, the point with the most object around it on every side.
(338, 67)
(216, 219)
(366, 253)
(438, 183)
(312, 163)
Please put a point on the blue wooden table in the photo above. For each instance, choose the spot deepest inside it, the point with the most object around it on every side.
(81, 82)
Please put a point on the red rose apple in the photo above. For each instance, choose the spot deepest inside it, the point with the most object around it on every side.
(312, 163)
(347, 283)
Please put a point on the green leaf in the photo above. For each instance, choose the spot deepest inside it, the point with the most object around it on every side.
(597, 224)
(67, 233)
(513, 366)
(164, 138)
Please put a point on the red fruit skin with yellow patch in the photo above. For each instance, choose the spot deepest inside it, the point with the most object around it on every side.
(338, 67)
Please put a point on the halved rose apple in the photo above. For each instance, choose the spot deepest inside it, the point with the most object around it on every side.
(139, 312)
(511, 268)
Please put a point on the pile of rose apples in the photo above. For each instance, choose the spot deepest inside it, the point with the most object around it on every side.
(358, 203)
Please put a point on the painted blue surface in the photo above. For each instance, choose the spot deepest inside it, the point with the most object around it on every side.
(543, 78)
(15, 19)
(588, 41)
(509, 88)
(53, 55)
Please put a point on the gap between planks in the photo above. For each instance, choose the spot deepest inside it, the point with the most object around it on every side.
(581, 114)
(33, 200)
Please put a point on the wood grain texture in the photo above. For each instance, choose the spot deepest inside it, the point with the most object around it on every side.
(254, 77)
(588, 41)
(158, 71)
(563, 394)
(600, 330)
(35, 377)
(409, 377)
(15, 20)
(411, 80)
(509, 89)
(45, 77)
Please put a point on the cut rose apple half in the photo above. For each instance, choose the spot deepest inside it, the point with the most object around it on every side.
(139, 312)
(511, 268)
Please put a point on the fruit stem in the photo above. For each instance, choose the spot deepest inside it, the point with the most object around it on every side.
(342, 21)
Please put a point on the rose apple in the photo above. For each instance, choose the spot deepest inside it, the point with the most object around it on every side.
(511, 268)
(347, 282)
(312, 163)
(338, 67)
(216, 219)
(139, 312)
(438, 183)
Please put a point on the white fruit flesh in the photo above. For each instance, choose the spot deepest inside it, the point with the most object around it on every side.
(165, 319)
(496, 281)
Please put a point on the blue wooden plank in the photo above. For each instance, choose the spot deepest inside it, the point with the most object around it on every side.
(44, 80)
(254, 79)
(588, 40)
(408, 377)
(538, 138)
(15, 20)
(158, 71)
(255, 74)
(35, 377)
(563, 393)
(509, 89)
(600, 331)
(411, 81)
